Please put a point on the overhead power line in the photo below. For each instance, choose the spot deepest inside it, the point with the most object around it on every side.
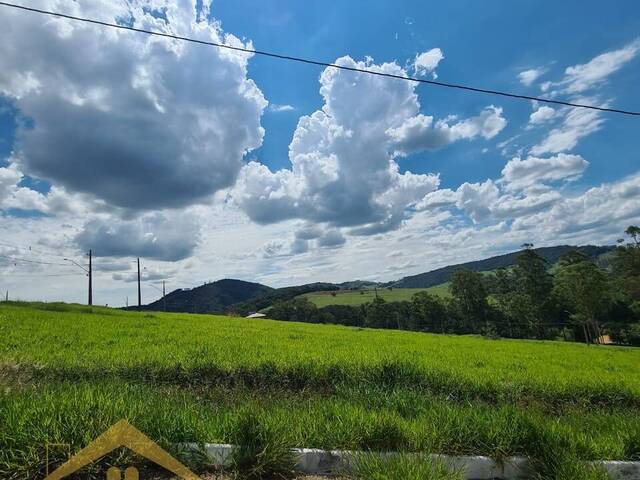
(42, 253)
(320, 63)
(16, 259)
(46, 275)
(35, 251)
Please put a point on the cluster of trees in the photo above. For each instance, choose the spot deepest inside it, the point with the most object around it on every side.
(576, 299)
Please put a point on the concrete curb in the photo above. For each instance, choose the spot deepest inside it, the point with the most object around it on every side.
(326, 462)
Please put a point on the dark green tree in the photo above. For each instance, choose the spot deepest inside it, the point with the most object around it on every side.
(634, 232)
(470, 293)
(583, 287)
(533, 280)
(572, 257)
(518, 315)
(503, 281)
(296, 310)
(627, 267)
(428, 313)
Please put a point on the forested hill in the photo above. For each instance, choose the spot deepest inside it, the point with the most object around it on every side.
(240, 297)
(214, 297)
(281, 294)
(442, 275)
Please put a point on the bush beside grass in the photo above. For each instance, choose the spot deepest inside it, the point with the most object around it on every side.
(263, 452)
(400, 467)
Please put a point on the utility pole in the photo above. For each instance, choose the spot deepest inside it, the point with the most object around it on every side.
(139, 289)
(164, 297)
(88, 272)
(90, 285)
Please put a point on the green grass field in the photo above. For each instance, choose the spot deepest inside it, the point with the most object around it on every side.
(358, 297)
(69, 372)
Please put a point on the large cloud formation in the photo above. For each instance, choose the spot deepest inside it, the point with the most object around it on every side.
(344, 172)
(157, 236)
(525, 188)
(137, 121)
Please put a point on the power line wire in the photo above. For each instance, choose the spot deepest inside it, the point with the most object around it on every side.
(33, 267)
(8, 269)
(54, 255)
(320, 63)
(37, 251)
(21, 275)
(16, 259)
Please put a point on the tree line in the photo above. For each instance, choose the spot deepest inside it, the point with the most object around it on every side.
(577, 299)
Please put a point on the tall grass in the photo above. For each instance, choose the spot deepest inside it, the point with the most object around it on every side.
(263, 452)
(401, 467)
(75, 413)
(69, 372)
(194, 349)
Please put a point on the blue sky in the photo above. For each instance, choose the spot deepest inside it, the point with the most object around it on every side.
(485, 44)
(209, 164)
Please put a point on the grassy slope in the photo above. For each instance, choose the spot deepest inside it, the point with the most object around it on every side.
(354, 297)
(68, 375)
(114, 342)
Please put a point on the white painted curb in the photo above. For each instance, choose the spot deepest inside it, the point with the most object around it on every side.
(326, 462)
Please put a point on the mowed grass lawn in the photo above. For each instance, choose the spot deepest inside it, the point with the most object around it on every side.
(358, 297)
(69, 372)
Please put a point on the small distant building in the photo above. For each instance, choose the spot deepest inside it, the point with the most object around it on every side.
(256, 315)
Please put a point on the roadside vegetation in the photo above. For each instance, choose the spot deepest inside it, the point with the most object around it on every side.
(69, 372)
(402, 467)
(575, 299)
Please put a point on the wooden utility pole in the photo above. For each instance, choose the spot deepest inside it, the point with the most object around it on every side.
(139, 288)
(90, 278)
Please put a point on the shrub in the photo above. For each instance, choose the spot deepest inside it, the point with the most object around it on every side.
(400, 467)
(262, 452)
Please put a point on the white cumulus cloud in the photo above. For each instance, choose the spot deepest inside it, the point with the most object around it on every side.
(542, 115)
(427, 62)
(138, 121)
(344, 173)
(577, 123)
(13, 196)
(520, 173)
(527, 77)
(420, 133)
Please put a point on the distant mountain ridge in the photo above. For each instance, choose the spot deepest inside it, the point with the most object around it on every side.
(241, 298)
(215, 297)
(442, 275)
